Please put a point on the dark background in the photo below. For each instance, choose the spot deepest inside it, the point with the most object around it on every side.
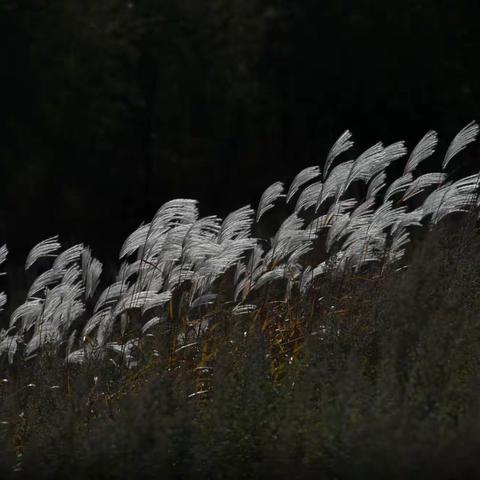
(110, 108)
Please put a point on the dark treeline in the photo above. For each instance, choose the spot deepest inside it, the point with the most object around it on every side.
(109, 109)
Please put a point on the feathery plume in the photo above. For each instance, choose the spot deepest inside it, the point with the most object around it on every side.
(143, 300)
(3, 253)
(91, 272)
(394, 152)
(368, 164)
(135, 240)
(46, 333)
(243, 309)
(334, 184)
(268, 198)
(30, 309)
(237, 224)
(203, 300)
(424, 149)
(8, 344)
(177, 211)
(94, 321)
(3, 300)
(397, 249)
(465, 136)
(398, 186)
(377, 184)
(309, 197)
(301, 179)
(341, 145)
(67, 257)
(276, 274)
(77, 357)
(44, 280)
(43, 249)
(423, 182)
(153, 322)
(110, 294)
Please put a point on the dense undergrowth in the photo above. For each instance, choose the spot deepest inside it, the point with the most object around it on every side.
(369, 376)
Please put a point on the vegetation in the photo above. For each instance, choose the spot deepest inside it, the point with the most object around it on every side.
(367, 376)
(339, 348)
(329, 332)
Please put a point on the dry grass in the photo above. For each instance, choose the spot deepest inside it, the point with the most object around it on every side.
(367, 376)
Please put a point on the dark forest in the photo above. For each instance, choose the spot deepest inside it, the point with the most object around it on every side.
(111, 108)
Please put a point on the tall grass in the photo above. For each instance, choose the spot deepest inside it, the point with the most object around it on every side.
(336, 349)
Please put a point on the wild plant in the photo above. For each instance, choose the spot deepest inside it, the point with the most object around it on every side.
(172, 268)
